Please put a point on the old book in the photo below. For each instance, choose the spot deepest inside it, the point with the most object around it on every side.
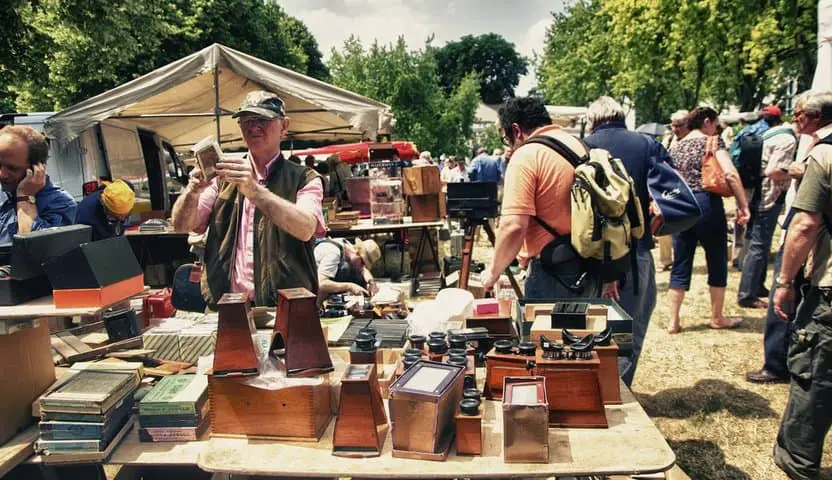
(124, 403)
(176, 395)
(48, 447)
(63, 430)
(61, 457)
(174, 434)
(90, 392)
(176, 421)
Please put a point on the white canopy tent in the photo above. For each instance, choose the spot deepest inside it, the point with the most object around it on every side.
(195, 96)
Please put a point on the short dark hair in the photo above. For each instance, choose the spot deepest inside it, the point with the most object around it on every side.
(698, 115)
(294, 159)
(36, 143)
(309, 161)
(527, 112)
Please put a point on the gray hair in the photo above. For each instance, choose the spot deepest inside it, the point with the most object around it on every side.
(604, 110)
(815, 102)
(679, 116)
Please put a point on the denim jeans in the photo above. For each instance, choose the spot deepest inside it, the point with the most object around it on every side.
(755, 263)
(640, 306)
(541, 285)
(710, 232)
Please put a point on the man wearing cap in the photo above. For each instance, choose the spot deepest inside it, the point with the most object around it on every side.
(29, 201)
(779, 146)
(344, 267)
(106, 209)
(261, 212)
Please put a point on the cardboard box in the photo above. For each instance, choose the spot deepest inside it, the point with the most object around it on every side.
(26, 357)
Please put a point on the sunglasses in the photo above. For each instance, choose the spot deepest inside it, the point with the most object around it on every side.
(249, 124)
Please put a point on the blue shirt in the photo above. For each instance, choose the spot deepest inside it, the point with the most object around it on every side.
(55, 209)
(91, 212)
(485, 168)
(638, 152)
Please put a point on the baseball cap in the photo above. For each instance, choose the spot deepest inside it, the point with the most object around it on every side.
(772, 110)
(368, 250)
(262, 103)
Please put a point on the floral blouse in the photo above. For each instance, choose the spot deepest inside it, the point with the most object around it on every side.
(687, 156)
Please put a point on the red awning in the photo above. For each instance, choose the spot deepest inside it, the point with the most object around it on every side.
(360, 152)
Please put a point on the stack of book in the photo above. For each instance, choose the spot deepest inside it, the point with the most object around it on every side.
(86, 416)
(176, 410)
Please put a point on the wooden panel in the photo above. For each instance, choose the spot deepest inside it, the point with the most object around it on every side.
(73, 342)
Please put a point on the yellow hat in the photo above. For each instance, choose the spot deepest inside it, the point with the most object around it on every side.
(118, 198)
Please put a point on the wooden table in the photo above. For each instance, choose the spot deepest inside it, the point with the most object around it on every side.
(631, 445)
(366, 227)
(18, 449)
(44, 307)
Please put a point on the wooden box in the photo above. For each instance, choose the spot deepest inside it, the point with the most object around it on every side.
(423, 403)
(469, 430)
(499, 366)
(608, 374)
(425, 208)
(234, 353)
(421, 180)
(296, 413)
(495, 323)
(573, 392)
(361, 424)
(525, 420)
(298, 333)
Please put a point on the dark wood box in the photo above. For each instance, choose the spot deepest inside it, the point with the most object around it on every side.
(298, 333)
(574, 392)
(361, 424)
(421, 180)
(468, 434)
(423, 403)
(425, 208)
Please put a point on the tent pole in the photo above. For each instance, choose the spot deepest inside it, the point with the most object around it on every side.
(217, 100)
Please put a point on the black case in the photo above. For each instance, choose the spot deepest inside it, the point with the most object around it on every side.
(15, 292)
(93, 265)
(31, 250)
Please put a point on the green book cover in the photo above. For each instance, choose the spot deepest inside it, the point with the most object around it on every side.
(175, 395)
(89, 389)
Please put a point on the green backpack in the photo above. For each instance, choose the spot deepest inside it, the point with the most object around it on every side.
(607, 218)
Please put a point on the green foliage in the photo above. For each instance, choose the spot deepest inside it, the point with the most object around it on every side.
(491, 56)
(408, 81)
(490, 138)
(671, 54)
(75, 49)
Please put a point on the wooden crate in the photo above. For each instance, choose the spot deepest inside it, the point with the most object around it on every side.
(421, 180)
(424, 208)
(296, 413)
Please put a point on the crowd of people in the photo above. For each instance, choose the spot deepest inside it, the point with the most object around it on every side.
(265, 227)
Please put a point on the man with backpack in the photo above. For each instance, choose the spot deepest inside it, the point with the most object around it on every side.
(779, 145)
(638, 152)
(536, 208)
(746, 154)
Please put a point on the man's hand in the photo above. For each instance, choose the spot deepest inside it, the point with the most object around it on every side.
(784, 303)
(197, 182)
(237, 171)
(357, 290)
(796, 170)
(611, 291)
(743, 215)
(488, 279)
(33, 182)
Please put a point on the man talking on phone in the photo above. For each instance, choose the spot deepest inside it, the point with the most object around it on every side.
(808, 415)
(261, 212)
(29, 201)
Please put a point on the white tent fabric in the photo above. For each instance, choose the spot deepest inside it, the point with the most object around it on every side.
(178, 102)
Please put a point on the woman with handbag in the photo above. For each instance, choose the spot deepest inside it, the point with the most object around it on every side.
(703, 162)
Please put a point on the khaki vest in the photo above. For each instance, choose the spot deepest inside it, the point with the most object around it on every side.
(280, 260)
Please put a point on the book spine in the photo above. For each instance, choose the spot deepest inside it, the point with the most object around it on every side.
(72, 417)
(71, 432)
(48, 446)
(168, 435)
(179, 408)
(71, 406)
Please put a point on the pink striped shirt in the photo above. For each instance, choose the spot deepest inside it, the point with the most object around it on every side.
(309, 200)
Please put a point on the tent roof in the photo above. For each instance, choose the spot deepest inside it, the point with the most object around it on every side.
(178, 102)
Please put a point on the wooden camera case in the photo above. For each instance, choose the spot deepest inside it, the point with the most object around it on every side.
(525, 420)
(361, 422)
(298, 333)
(234, 353)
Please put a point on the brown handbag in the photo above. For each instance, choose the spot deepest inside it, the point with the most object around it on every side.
(713, 176)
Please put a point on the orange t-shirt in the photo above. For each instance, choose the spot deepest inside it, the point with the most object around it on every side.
(538, 181)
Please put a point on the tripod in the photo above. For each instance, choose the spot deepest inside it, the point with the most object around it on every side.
(469, 227)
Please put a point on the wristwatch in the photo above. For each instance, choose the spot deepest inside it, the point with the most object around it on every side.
(26, 198)
(779, 284)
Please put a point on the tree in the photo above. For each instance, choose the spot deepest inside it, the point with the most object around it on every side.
(408, 81)
(76, 49)
(671, 54)
(491, 56)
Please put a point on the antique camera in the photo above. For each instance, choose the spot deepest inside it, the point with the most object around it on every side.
(298, 337)
(234, 353)
(423, 403)
(472, 200)
(525, 420)
(359, 429)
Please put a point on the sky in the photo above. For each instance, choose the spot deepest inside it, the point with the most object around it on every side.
(333, 21)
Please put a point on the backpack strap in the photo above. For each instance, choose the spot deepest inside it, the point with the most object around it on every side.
(773, 132)
(560, 148)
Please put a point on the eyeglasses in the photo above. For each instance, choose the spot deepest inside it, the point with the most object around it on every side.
(259, 123)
